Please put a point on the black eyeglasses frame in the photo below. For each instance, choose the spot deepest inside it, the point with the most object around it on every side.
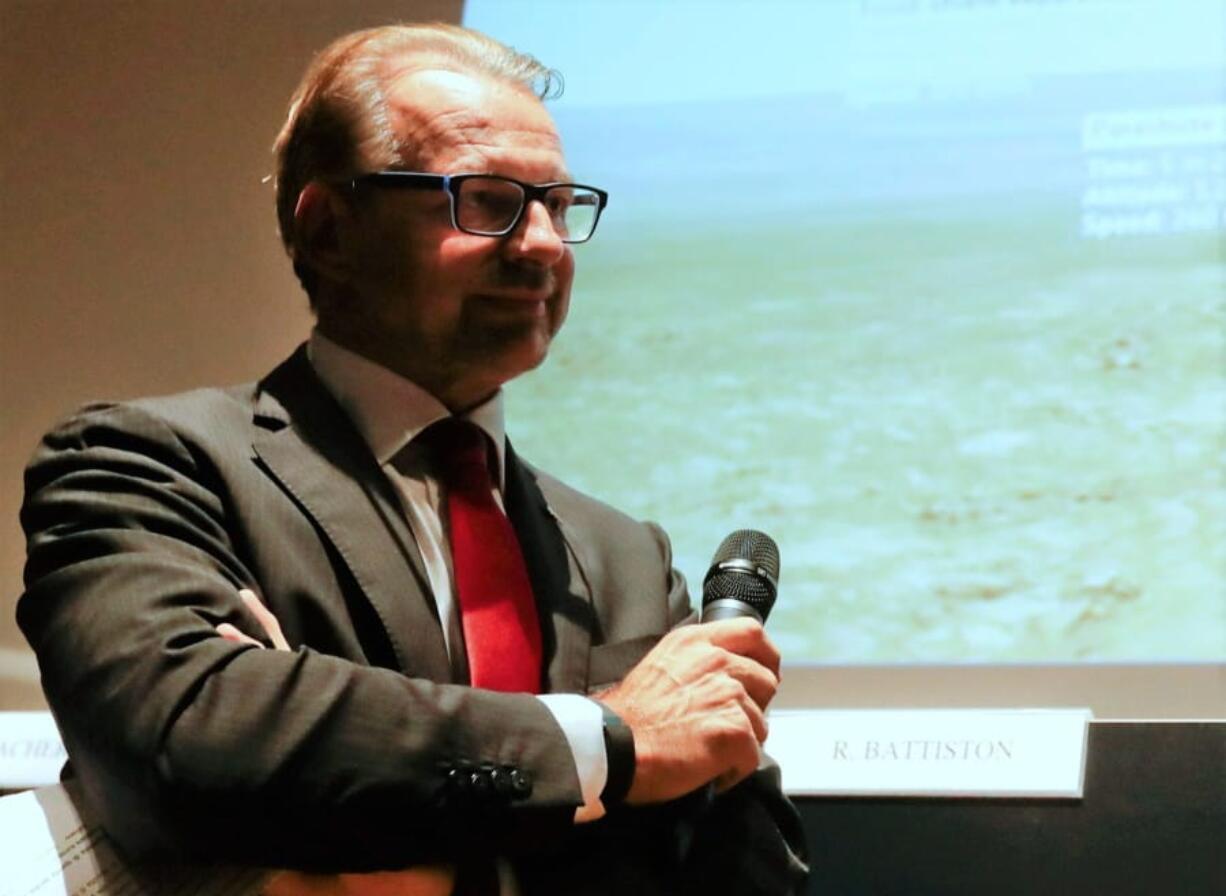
(451, 184)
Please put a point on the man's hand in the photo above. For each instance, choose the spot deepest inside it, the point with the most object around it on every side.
(697, 707)
(432, 881)
(263, 615)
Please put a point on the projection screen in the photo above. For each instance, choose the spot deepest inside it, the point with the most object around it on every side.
(932, 292)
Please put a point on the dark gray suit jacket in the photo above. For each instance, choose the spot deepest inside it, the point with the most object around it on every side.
(357, 751)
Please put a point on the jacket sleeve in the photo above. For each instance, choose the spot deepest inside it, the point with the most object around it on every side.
(187, 743)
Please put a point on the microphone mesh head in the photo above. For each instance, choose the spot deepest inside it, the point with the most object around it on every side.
(749, 544)
(756, 549)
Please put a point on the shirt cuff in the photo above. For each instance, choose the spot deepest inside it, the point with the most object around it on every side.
(582, 722)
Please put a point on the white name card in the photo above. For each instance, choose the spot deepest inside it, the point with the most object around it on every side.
(934, 753)
(53, 846)
(31, 753)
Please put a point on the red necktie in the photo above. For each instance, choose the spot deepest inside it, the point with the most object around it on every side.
(502, 634)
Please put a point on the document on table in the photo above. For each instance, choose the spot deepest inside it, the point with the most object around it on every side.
(49, 846)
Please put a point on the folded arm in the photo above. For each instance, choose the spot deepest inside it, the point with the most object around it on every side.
(184, 739)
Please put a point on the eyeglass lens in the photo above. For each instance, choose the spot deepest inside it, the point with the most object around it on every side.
(490, 205)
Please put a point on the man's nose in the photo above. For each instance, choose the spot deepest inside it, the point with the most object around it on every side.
(535, 237)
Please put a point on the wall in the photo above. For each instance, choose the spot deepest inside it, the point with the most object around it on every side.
(139, 251)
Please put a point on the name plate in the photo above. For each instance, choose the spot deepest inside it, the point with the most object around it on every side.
(31, 753)
(931, 753)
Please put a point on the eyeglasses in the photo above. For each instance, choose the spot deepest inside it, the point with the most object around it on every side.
(488, 205)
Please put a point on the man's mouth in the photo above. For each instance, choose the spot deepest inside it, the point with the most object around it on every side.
(523, 304)
(514, 280)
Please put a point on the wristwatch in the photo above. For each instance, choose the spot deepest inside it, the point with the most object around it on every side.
(619, 753)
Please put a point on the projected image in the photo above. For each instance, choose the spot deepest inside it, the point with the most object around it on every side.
(932, 292)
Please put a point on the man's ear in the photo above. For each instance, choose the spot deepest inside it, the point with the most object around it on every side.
(322, 220)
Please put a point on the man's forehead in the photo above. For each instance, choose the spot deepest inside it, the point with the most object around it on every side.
(435, 109)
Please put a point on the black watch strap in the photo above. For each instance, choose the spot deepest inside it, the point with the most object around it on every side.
(619, 753)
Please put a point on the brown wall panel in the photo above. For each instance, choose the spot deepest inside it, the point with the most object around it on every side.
(139, 251)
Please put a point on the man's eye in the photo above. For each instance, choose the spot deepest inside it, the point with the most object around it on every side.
(558, 201)
(479, 197)
(493, 200)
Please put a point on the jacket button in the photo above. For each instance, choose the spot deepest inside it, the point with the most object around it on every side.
(521, 783)
(480, 783)
(503, 785)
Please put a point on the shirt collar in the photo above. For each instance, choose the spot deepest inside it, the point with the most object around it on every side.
(389, 410)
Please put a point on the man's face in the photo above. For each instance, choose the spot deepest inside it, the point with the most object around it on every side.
(457, 313)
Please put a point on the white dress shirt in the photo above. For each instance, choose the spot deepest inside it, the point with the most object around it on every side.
(390, 411)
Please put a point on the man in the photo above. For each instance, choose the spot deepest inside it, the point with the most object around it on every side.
(424, 199)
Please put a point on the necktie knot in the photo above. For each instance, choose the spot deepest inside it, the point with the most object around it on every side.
(459, 450)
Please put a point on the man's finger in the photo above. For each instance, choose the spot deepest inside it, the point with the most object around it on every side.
(745, 637)
(745, 766)
(230, 633)
(265, 617)
(757, 718)
(759, 682)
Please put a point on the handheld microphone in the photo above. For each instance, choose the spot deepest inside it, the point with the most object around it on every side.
(743, 579)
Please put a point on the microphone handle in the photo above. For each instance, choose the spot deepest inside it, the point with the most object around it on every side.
(728, 608)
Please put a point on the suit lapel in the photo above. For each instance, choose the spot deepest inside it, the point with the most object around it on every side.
(564, 601)
(313, 450)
